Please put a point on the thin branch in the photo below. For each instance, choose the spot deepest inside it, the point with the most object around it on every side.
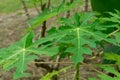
(113, 33)
(54, 62)
(25, 9)
(49, 2)
(56, 67)
(36, 8)
(68, 12)
(43, 31)
(98, 71)
(86, 5)
(63, 1)
(77, 72)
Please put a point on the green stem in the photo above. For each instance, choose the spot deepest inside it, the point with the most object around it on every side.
(77, 72)
(36, 7)
(86, 5)
(25, 9)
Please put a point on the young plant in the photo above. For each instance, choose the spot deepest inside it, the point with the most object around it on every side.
(20, 53)
(81, 33)
(111, 54)
(48, 13)
(48, 76)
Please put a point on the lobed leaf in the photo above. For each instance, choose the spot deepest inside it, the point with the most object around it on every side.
(20, 53)
(46, 14)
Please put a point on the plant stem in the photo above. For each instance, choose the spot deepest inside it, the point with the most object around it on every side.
(25, 9)
(56, 67)
(77, 72)
(43, 6)
(63, 1)
(112, 33)
(49, 2)
(36, 8)
(86, 5)
(54, 62)
(43, 29)
(68, 12)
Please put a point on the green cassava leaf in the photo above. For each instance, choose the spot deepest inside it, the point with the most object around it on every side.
(83, 33)
(114, 17)
(107, 69)
(111, 54)
(116, 39)
(46, 14)
(48, 76)
(80, 33)
(91, 79)
(112, 49)
(20, 53)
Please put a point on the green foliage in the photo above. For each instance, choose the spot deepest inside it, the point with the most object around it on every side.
(80, 33)
(91, 79)
(114, 19)
(48, 13)
(48, 76)
(20, 53)
(113, 56)
(10, 6)
(113, 50)
(110, 54)
(108, 69)
(105, 5)
(75, 36)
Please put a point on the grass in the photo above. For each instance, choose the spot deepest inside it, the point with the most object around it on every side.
(10, 6)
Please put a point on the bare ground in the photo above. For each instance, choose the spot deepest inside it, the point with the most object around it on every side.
(11, 28)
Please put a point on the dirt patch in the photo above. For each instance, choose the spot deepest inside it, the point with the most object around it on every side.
(11, 28)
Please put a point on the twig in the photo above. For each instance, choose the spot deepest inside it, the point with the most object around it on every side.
(56, 67)
(25, 9)
(86, 5)
(49, 3)
(95, 69)
(77, 72)
(68, 12)
(54, 62)
(113, 33)
(36, 7)
(43, 31)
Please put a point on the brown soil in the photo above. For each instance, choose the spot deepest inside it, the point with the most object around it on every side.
(11, 28)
